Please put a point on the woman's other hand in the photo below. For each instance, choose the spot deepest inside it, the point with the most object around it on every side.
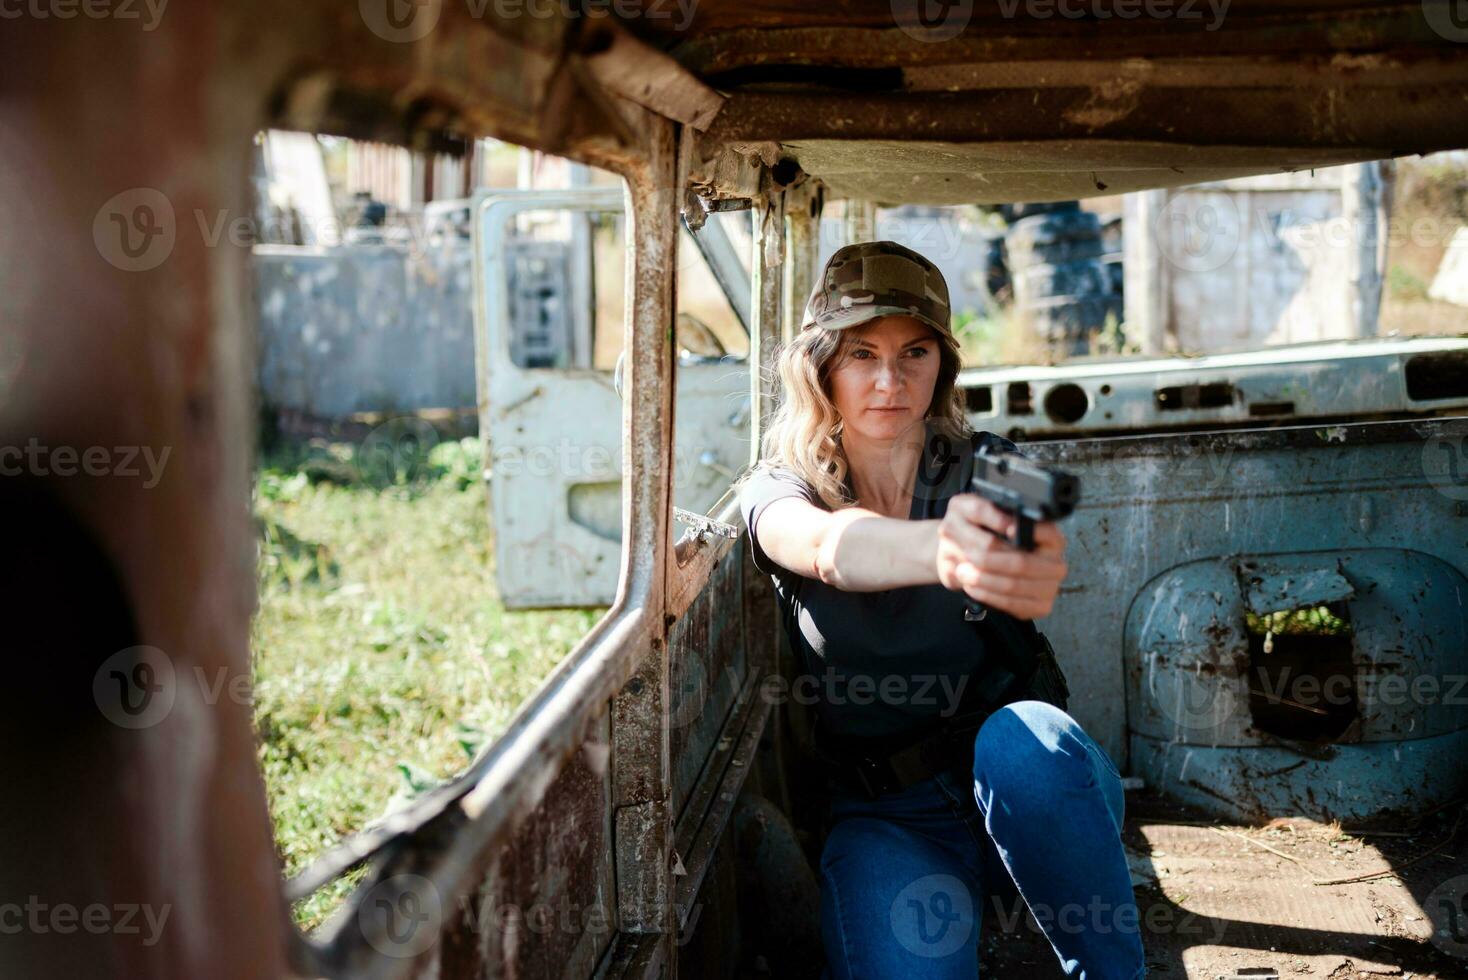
(987, 568)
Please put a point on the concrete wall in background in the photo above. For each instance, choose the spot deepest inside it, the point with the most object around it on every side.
(365, 328)
(1258, 261)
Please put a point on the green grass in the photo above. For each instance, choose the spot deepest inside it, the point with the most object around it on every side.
(1404, 285)
(980, 338)
(383, 658)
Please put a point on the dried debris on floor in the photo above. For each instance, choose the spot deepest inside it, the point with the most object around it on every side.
(1292, 898)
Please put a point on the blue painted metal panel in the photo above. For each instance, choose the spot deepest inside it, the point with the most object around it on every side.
(1192, 506)
(1376, 778)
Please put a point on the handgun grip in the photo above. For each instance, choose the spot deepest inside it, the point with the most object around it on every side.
(1024, 539)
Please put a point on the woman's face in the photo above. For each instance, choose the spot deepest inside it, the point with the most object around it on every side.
(883, 382)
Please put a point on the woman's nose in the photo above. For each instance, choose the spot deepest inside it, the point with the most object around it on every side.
(887, 376)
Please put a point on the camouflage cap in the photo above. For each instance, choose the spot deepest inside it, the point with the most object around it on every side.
(870, 279)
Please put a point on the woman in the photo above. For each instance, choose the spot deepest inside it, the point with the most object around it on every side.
(950, 788)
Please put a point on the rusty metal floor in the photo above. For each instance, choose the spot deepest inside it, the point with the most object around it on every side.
(1228, 901)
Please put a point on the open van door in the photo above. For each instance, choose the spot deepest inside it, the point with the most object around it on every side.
(547, 343)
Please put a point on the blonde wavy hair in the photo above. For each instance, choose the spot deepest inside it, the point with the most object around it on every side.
(805, 431)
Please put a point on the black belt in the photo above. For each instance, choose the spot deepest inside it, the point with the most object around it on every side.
(879, 770)
(876, 772)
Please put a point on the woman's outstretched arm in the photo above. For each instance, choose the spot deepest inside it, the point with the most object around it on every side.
(859, 550)
(854, 549)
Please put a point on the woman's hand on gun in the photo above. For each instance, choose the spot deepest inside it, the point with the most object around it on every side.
(987, 568)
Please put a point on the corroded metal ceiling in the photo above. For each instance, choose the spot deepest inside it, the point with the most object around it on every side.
(1048, 99)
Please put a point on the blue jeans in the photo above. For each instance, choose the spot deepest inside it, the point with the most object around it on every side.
(906, 878)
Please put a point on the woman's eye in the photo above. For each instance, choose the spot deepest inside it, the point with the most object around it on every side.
(861, 355)
(918, 351)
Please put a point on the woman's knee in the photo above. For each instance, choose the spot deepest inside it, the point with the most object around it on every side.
(1030, 743)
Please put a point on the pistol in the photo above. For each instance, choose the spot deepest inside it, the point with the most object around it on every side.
(1026, 491)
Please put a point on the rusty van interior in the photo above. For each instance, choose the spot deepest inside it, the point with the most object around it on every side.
(647, 779)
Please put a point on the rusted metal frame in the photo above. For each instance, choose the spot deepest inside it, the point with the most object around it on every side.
(551, 82)
(1362, 116)
(507, 783)
(641, 752)
(444, 838)
(337, 77)
(405, 93)
(880, 44)
(1118, 74)
(634, 956)
(802, 249)
(711, 775)
(485, 806)
(718, 791)
(698, 556)
(628, 67)
(761, 625)
(767, 266)
(172, 817)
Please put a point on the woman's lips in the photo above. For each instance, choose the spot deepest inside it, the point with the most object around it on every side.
(889, 409)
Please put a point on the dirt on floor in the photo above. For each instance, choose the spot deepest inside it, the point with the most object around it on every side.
(1291, 898)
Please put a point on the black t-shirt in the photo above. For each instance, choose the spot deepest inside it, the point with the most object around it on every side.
(884, 665)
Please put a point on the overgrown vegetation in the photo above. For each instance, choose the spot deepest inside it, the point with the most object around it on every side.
(383, 657)
(1314, 621)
